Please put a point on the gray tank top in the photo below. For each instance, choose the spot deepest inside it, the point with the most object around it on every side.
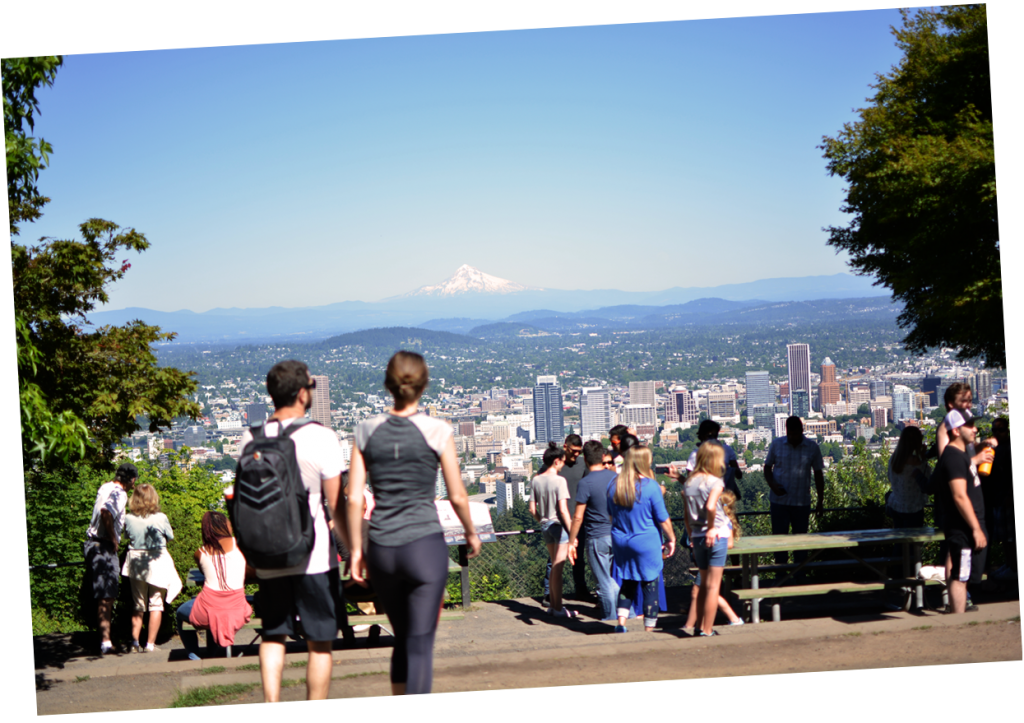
(402, 455)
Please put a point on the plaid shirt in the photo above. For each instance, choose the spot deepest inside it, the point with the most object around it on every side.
(791, 467)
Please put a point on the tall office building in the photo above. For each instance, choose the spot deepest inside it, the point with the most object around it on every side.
(877, 387)
(722, 407)
(799, 362)
(981, 386)
(194, 436)
(466, 429)
(800, 403)
(321, 409)
(929, 385)
(637, 415)
(548, 425)
(642, 393)
(828, 389)
(681, 408)
(595, 411)
(759, 391)
(255, 414)
(764, 415)
(902, 403)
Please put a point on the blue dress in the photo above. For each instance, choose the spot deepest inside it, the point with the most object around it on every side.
(636, 538)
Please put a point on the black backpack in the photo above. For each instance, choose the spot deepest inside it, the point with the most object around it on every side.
(270, 507)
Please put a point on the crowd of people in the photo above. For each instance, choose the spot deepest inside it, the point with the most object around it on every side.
(595, 506)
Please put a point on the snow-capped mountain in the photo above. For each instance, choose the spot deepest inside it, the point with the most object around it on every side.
(467, 279)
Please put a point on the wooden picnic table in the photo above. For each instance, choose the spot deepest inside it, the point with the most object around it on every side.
(851, 543)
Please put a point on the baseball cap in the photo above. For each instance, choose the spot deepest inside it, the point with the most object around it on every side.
(959, 417)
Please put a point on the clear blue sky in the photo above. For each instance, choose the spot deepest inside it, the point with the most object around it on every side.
(532, 155)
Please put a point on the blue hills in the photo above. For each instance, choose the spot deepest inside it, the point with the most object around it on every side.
(765, 301)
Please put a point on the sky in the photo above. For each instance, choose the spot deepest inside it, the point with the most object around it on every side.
(375, 166)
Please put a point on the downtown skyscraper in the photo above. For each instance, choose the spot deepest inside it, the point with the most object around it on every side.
(321, 409)
(548, 425)
(595, 411)
(799, 358)
(759, 391)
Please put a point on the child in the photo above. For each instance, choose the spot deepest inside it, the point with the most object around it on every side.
(730, 529)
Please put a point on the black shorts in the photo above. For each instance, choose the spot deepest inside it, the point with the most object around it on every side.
(968, 563)
(103, 569)
(314, 599)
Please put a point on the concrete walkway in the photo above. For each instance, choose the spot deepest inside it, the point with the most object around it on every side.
(502, 634)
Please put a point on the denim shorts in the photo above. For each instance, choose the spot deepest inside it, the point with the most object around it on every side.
(706, 557)
(554, 534)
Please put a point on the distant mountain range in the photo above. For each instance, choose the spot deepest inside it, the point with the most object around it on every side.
(471, 299)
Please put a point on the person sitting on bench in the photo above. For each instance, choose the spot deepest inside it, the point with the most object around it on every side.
(221, 607)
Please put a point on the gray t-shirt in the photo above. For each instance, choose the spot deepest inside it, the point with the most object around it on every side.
(402, 455)
(572, 476)
(545, 491)
(148, 533)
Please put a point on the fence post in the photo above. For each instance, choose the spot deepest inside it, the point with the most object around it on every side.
(464, 574)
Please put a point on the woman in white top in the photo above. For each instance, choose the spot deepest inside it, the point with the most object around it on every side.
(702, 494)
(221, 607)
(148, 564)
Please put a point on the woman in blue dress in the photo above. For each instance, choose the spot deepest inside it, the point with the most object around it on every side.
(638, 509)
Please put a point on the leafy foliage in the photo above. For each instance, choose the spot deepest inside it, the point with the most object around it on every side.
(80, 388)
(920, 164)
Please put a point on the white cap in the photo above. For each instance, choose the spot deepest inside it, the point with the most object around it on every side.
(958, 418)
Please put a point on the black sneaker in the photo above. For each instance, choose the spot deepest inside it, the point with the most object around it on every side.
(546, 602)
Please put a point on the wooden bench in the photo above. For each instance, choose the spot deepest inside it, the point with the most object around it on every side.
(824, 588)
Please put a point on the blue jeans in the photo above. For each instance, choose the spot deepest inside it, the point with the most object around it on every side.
(784, 517)
(599, 552)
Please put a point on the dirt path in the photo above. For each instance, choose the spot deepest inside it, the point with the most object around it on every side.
(719, 657)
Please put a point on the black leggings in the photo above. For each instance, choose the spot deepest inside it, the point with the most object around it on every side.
(650, 589)
(410, 581)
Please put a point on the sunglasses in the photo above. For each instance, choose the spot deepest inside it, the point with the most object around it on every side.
(312, 384)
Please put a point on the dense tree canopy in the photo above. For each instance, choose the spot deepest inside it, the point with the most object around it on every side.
(920, 164)
(81, 388)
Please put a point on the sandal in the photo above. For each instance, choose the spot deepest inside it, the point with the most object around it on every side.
(563, 613)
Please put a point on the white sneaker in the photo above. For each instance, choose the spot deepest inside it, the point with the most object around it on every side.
(737, 621)
(150, 648)
(106, 648)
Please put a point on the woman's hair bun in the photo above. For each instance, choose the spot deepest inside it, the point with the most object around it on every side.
(552, 445)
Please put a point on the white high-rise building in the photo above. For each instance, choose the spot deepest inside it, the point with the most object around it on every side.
(681, 408)
(722, 407)
(547, 411)
(595, 411)
(637, 415)
(321, 409)
(902, 403)
(799, 358)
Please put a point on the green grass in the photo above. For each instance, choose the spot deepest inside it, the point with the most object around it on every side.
(852, 635)
(211, 695)
(1014, 619)
(249, 666)
(298, 664)
(973, 623)
(291, 683)
(212, 669)
(81, 678)
(358, 675)
(922, 627)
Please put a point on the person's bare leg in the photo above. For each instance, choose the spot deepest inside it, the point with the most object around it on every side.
(958, 596)
(724, 606)
(271, 667)
(318, 669)
(691, 617)
(702, 600)
(712, 582)
(136, 624)
(104, 609)
(155, 616)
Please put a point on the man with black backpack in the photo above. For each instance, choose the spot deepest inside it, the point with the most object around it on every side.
(288, 468)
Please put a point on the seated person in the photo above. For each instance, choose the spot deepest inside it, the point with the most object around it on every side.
(221, 607)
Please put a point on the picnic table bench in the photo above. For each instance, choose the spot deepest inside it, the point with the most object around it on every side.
(910, 539)
(376, 622)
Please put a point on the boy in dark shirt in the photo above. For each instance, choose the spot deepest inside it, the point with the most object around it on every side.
(959, 489)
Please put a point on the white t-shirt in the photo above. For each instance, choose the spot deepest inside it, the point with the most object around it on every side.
(111, 497)
(319, 454)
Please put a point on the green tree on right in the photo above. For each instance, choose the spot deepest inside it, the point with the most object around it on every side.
(920, 169)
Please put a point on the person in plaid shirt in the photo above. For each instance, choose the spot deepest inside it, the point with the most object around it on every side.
(787, 469)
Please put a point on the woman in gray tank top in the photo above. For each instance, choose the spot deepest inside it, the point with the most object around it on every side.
(406, 557)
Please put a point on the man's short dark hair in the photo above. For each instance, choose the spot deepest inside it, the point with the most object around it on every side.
(126, 474)
(953, 391)
(794, 422)
(708, 429)
(618, 430)
(593, 453)
(574, 440)
(285, 379)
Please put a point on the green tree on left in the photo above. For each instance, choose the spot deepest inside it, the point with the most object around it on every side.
(81, 387)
